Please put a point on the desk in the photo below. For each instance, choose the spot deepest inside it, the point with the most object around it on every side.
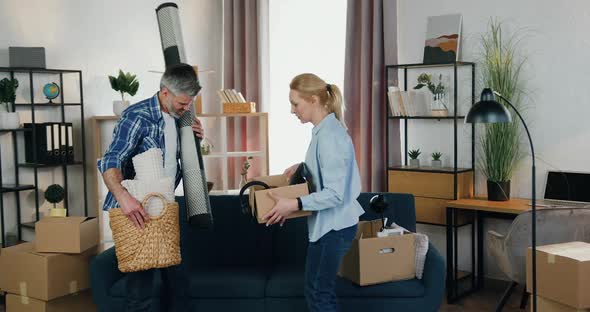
(482, 208)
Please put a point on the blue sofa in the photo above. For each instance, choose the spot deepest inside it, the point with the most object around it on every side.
(240, 265)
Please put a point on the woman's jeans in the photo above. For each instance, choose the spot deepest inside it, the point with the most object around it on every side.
(323, 262)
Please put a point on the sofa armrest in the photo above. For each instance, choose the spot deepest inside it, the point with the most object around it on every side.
(434, 278)
(104, 272)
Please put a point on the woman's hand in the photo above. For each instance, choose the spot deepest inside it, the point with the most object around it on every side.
(291, 170)
(282, 209)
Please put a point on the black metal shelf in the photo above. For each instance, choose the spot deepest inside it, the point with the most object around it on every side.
(38, 70)
(450, 170)
(426, 117)
(30, 225)
(46, 104)
(423, 65)
(14, 130)
(7, 188)
(31, 107)
(35, 165)
(452, 264)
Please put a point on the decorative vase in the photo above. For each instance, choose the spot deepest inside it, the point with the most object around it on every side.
(439, 106)
(119, 107)
(243, 181)
(9, 120)
(414, 162)
(498, 191)
(437, 163)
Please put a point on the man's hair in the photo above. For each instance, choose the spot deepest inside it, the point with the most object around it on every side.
(181, 79)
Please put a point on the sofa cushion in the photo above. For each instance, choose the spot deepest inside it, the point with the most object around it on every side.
(290, 243)
(119, 288)
(227, 282)
(234, 239)
(289, 282)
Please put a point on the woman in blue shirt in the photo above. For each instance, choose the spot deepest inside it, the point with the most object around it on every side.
(331, 160)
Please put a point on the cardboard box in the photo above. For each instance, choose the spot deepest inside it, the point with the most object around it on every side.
(373, 260)
(43, 276)
(77, 302)
(66, 235)
(238, 108)
(563, 273)
(547, 305)
(261, 201)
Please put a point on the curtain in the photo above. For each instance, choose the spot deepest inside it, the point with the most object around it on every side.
(241, 72)
(364, 86)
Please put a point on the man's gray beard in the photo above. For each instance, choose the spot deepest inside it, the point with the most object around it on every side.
(171, 112)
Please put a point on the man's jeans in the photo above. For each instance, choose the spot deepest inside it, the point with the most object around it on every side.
(141, 293)
(323, 261)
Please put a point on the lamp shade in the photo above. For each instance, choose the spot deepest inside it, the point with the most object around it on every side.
(488, 110)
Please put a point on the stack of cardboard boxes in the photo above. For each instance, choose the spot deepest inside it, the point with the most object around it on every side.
(52, 273)
(563, 277)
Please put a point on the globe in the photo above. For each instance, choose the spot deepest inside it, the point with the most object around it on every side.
(51, 91)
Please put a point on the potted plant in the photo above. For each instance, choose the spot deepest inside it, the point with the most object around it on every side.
(8, 119)
(124, 83)
(54, 194)
(244, 174)
(436, 162)
(500, 144)
(414, 161)
(438, 105)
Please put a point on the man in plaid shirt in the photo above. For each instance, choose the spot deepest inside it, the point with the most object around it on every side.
(150, 123)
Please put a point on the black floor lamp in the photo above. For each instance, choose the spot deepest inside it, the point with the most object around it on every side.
(488, 110)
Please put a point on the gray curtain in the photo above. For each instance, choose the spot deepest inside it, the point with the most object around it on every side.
(241, 72)
(364, 85)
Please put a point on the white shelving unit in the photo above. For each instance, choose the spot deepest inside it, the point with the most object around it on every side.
(217, 162)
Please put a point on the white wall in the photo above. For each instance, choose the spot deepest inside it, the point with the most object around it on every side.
(556, 43)
(99, 37)
(305, 36)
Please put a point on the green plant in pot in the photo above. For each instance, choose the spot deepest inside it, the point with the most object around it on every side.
(54, 194)
(436, 162)
(8, 119)
(414, 161)
(500, 143)
(124, 83)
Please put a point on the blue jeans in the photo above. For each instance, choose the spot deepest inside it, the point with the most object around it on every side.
(322, 264)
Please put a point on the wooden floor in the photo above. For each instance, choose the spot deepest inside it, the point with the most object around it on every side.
(487, 299)
(482, 301)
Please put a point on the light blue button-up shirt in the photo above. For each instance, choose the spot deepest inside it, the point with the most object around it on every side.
(332, 162)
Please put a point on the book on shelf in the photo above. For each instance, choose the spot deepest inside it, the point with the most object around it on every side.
(408, 103)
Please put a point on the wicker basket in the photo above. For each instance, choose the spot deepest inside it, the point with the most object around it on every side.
(157, 245)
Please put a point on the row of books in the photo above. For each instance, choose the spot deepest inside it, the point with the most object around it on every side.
(231, 96)
(54, 143)
(408, 103)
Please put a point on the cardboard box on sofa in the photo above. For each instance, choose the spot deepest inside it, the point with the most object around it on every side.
(66, 234)
(563, 273)
(76, 302)
(373, 260)
(44, 276)
(261, 201)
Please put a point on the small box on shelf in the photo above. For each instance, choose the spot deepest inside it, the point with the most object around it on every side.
(232, 108)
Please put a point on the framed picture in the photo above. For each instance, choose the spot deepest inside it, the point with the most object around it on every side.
(443, 35)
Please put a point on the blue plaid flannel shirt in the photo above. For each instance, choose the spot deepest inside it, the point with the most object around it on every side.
(140, 128)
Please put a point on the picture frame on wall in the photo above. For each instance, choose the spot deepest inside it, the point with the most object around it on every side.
(443, 37)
